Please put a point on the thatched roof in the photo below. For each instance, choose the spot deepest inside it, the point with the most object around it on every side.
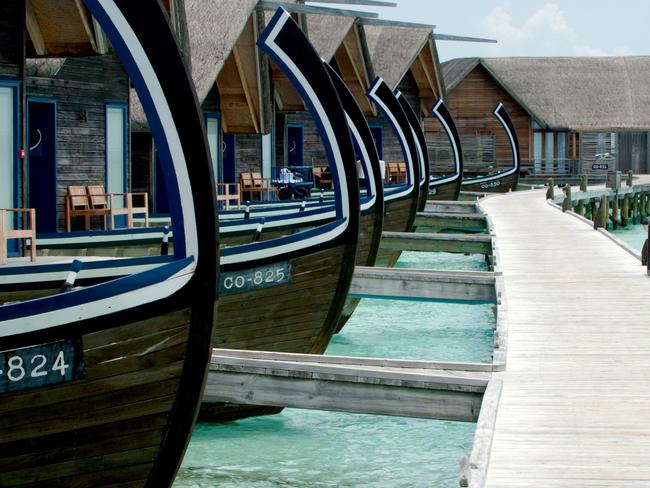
(580, 94)
(214, 27)
(326, 33)
(393, 49)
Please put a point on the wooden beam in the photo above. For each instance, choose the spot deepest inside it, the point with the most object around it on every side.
(423, 284)
(441, 221)
(420, 241)
(369, 3)
(87, 23)
(100, 38)
(427, 74)
(302, 381)
(450, 37)
(247, 94)
(451, 206)
(299, 8)
(395, 23)
(34, 29)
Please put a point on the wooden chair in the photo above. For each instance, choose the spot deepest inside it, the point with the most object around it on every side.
(77, 205)
(98, 203)
(395, 172)
(263, 184)
(247, 187)
(6, 234)
(129, 209)
(224, 194)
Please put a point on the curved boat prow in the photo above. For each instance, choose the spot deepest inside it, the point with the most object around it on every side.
(420, 146)
(107, 379)
(448, 187)
(504, 180)
(401, 202)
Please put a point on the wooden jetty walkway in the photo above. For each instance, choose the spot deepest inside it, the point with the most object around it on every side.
(574, 410)
(431, 242)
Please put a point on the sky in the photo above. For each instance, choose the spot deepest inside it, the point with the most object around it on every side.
(531, 27)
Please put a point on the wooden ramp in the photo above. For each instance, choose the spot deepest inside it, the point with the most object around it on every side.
(451, 206)
(434, 390)
(474, 222)
(575, 405)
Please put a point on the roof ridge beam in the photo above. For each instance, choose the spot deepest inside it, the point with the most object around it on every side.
(299, 8)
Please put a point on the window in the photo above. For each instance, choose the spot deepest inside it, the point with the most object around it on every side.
(116, 149)
(214, 135)
(7, 145)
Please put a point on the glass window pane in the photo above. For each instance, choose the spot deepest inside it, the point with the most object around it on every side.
(548, 152)
(115, 150)
(213, 142)
(7, 147)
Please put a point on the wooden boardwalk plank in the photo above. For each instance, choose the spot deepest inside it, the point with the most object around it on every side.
(575, 405)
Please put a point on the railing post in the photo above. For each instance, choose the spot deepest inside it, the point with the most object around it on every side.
(602, 214)
(550, 191)
(584, 181)
(625, 212)
(615, 214)
(644, 252)
(566, 203)
(3, 236)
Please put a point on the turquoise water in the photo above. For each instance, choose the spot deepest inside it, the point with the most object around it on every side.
(633, 235)
(305, 448)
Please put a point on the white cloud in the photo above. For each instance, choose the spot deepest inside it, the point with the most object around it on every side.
(546, 32)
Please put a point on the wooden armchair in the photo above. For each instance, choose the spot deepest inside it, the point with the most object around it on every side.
(323, 177)
(129, 209)
(6, 234)
(224, 194)
(265, 185)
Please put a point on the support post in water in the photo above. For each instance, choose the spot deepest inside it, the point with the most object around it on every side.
(625, 211)
(550, 191)
(584, 181)
(615, 215)
(630, 178)
(567, 204)
(600, 215)
(644, 251)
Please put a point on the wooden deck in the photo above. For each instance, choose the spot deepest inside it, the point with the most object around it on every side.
(575, 405)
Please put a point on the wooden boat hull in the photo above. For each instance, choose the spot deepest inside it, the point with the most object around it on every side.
(298, 317)
(446, 191)
(502, 185)
(110, 425)
(399, 217)
(368, 248)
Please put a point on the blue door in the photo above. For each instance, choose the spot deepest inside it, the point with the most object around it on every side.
(41, 121)
(378, 136)
(160, 198)
(228, 161)
(295, 144)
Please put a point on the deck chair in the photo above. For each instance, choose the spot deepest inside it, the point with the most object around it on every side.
(28, 233)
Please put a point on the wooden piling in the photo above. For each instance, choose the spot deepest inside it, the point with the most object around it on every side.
(602, 215)
(635, 208)
(625, 212)
(567, 204)
(550, 191)
(580, 207)
(615, 212)
(584, 181)
(630, 178)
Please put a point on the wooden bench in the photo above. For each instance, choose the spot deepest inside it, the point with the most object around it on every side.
(93, 201)
(78, 204)
(224, 194)
(6, 234)
(252, 185)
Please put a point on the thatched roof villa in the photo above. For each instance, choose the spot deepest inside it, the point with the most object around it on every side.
(588, 114)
